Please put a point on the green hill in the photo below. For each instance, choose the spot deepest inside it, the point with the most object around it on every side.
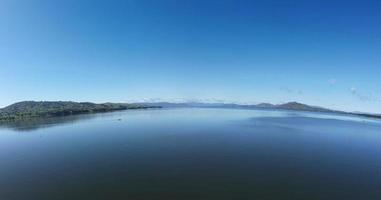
(28, 109)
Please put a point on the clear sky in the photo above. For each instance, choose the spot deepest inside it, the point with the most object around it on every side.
(325, 53)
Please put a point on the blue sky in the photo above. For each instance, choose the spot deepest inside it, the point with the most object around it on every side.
(325, 53)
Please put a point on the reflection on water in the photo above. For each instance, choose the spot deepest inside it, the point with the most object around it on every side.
(317, 123)
(44, 122)
(219, 113)
(193, 154)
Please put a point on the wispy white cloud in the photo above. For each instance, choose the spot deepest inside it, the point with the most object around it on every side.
(291, 91)
(365, 97)
(353, 90)
(332, 81)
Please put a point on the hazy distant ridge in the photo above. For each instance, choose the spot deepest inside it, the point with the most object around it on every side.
(296, 106)
(286, 106)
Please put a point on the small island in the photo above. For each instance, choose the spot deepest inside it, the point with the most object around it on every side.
(32, 109)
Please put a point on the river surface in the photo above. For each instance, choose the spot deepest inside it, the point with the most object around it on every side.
(192, 153)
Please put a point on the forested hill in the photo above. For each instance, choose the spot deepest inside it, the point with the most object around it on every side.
(27, 109)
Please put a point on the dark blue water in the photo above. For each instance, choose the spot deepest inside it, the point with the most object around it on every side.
(192, 154)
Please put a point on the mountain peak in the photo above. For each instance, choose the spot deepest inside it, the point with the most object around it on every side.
(299, 106)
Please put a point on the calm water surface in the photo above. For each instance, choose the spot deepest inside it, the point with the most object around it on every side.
(192, 154)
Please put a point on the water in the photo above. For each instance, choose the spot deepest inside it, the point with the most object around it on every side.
(192, 154)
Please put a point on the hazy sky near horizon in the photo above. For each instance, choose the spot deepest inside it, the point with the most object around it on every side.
(325, 53)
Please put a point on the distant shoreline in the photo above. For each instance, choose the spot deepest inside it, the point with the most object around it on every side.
(40, 109)
(291, 106)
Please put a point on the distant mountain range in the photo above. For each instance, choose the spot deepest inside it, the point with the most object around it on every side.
(296, 106)
(30, 109)
(287, 106)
